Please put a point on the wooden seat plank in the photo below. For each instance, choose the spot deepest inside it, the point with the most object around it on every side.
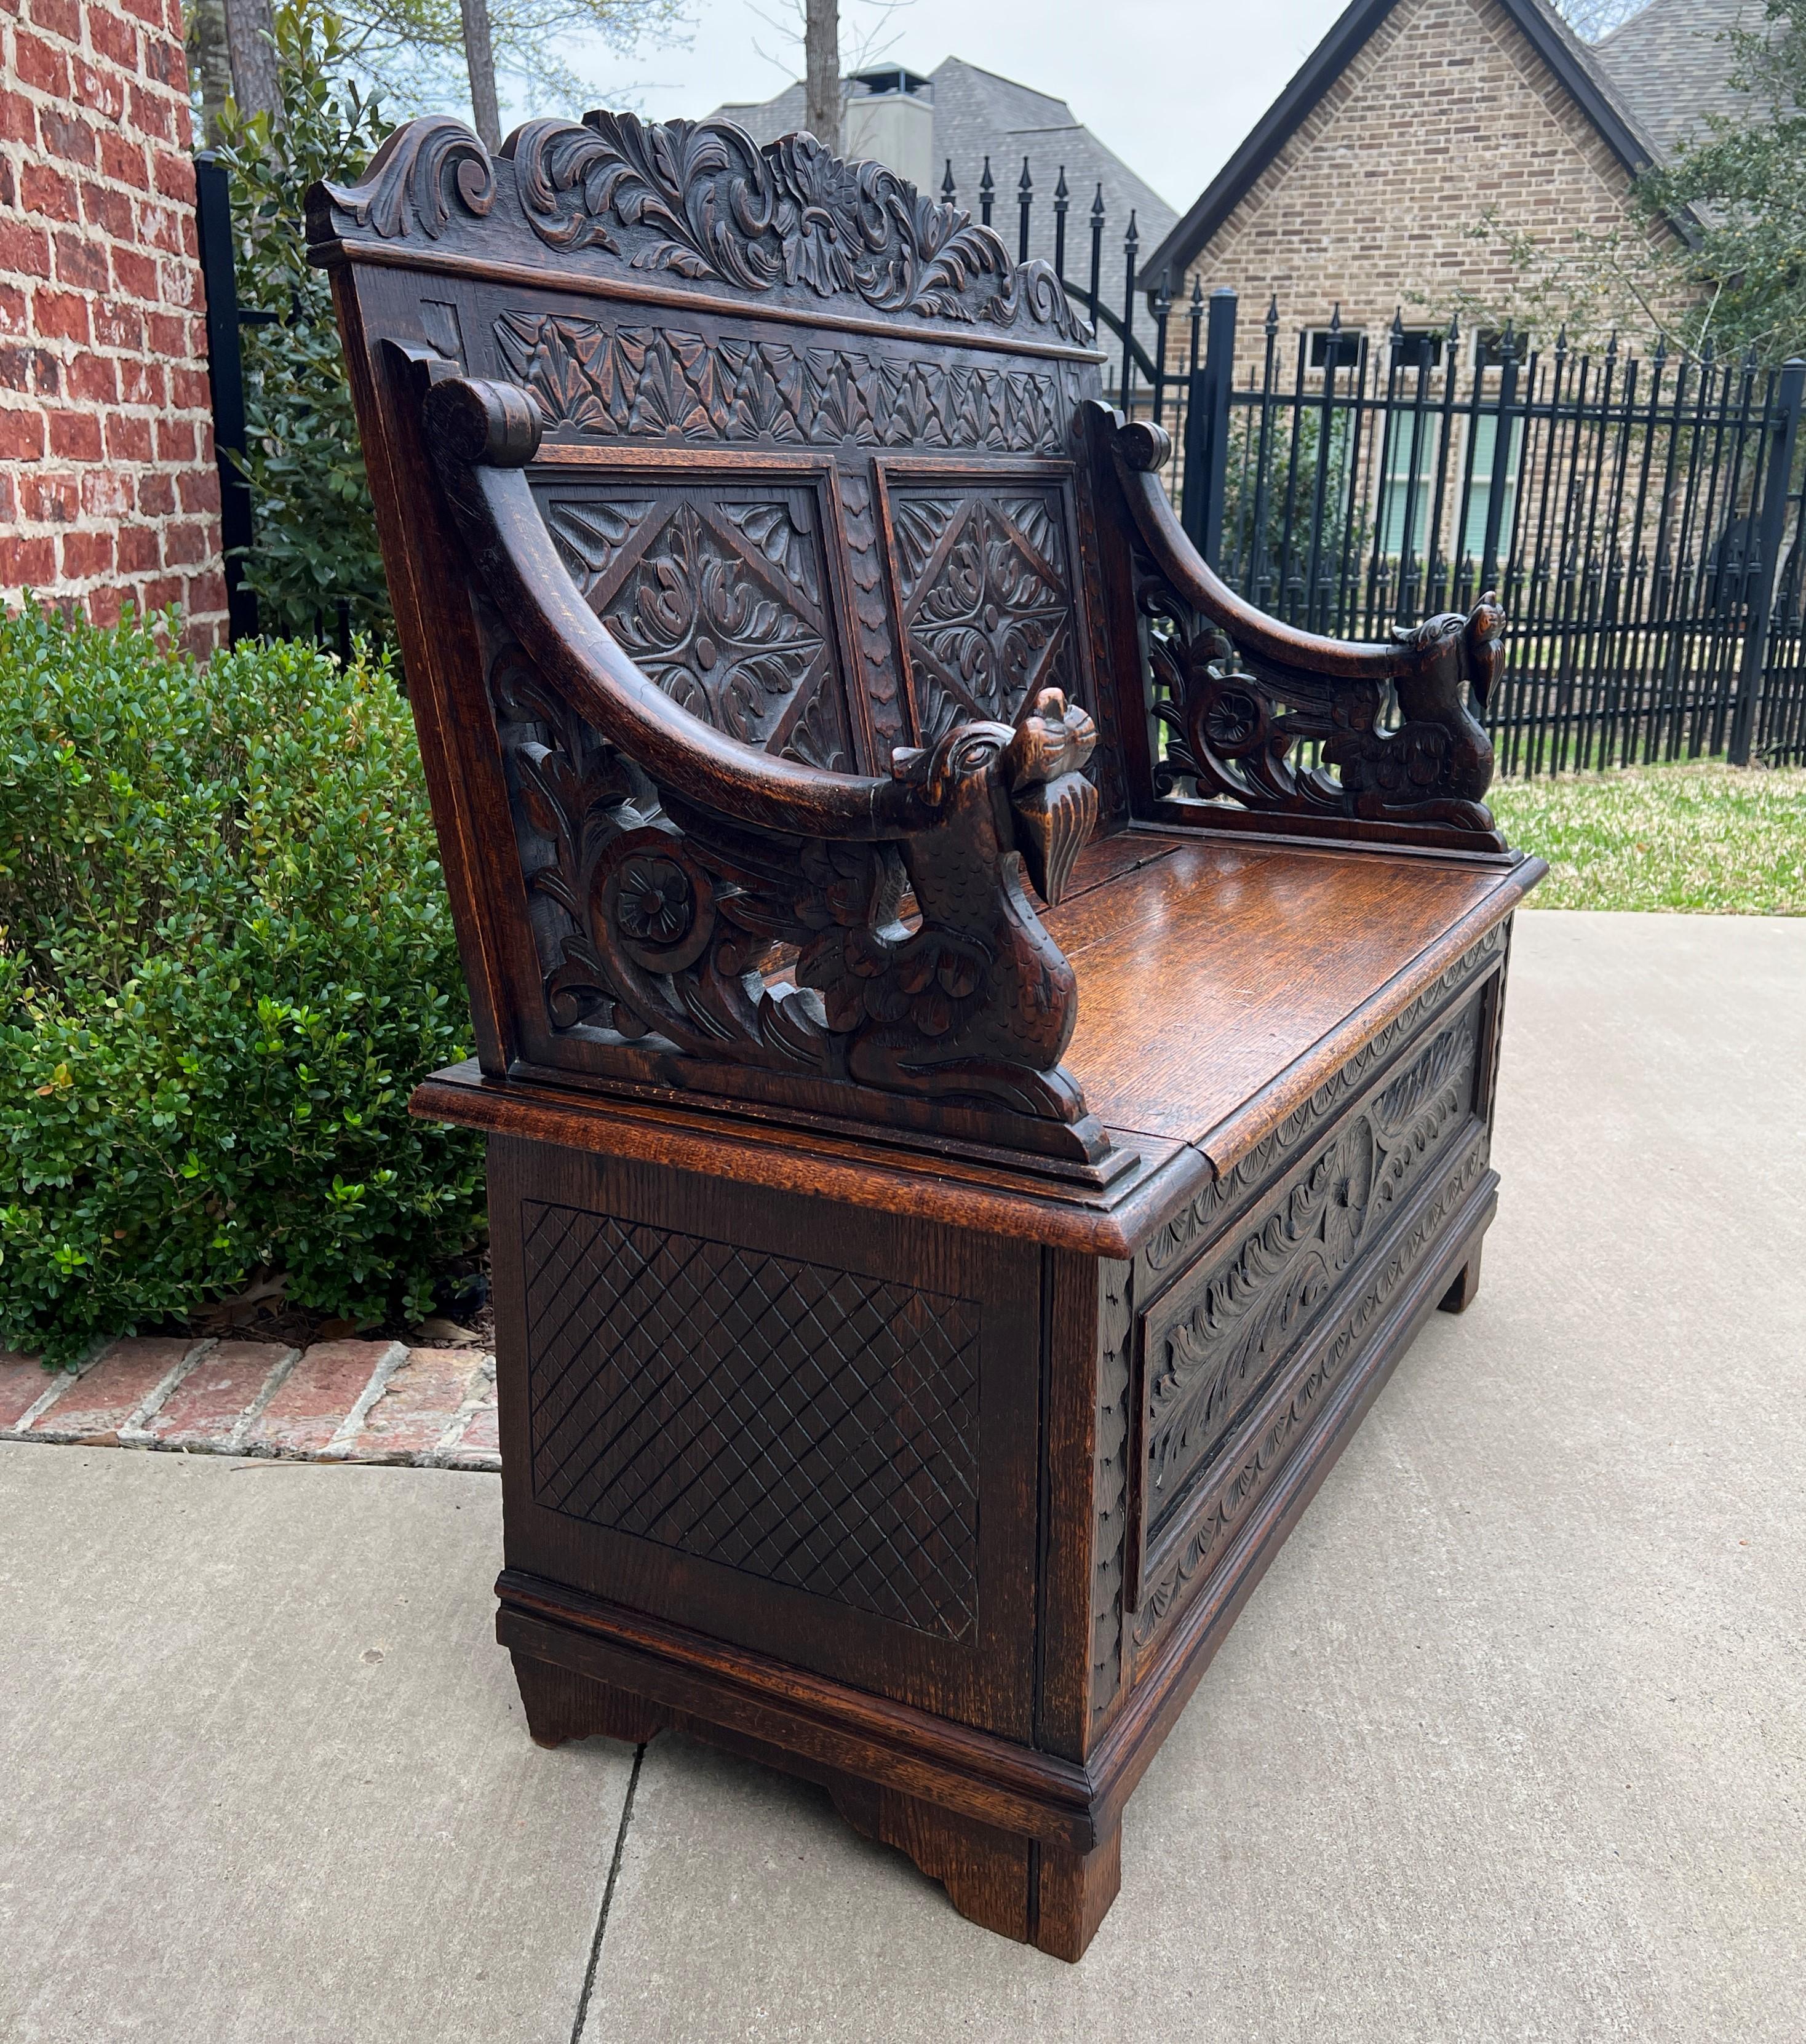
(1210, 972)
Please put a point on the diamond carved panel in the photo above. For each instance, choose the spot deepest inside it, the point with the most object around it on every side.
(984, 587)
(720, 596)
(811, 1426)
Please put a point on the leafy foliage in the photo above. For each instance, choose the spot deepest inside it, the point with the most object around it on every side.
(1272, 505)
(225, 957)
(414, 49)
(315, 533)
(1746, 179)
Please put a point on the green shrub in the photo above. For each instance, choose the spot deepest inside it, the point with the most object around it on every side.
(226, 958)
(313, 529)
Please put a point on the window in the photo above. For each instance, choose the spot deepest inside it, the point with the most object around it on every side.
(1420, 348)
(1489, 347)
(1407, 465)
(1480, 487)
(1337, 347)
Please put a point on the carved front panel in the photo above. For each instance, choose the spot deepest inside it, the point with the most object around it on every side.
(1239, 1356)
(1230, 1488)
(814, 1427)
(721, 594)
(1192, 1226)
(1211, 1344)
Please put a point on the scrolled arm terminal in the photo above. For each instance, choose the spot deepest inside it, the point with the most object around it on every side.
(1238, 689)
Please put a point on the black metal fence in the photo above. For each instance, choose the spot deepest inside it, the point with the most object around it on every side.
(1641, 518)
(1638, 516)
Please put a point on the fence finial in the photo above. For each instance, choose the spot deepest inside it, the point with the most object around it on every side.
(946, 185)
(1272, 315)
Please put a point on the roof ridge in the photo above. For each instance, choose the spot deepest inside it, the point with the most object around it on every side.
(1015, 84)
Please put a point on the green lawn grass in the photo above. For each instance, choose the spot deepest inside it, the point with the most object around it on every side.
(1699, 837)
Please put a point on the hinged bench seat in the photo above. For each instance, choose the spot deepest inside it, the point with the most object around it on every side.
(987, 1041)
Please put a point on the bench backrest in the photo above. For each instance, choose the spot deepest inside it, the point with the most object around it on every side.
(809, 436)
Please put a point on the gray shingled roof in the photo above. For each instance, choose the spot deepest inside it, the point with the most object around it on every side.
(1670, 64)
(978, 114)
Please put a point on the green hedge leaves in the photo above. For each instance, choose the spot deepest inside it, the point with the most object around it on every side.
(226, 958)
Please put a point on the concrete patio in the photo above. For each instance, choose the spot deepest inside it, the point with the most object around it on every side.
(1510, 1744)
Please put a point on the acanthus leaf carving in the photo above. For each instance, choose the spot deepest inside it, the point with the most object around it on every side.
(1296, 1407)
(641, 381)
(677, 923)
(413, 178)
(986, 609)
(1212, 1345)
(702, 200)
(1232, 733)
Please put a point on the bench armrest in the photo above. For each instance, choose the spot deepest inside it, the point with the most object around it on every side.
(1237, 690)
(697, 854)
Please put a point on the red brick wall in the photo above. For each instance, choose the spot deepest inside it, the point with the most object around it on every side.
(108, 490)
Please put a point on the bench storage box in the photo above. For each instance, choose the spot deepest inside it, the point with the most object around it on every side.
(987, 1041)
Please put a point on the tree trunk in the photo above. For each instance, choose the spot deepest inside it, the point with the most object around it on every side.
(479, 57)
(822, 71)
(251, 37)
(209, 60)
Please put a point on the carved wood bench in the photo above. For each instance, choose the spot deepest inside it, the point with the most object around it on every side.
(920, 1316)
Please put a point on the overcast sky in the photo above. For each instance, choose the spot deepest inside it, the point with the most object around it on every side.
(1172, 85)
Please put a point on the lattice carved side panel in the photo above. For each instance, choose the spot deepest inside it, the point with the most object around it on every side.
(811, 1426)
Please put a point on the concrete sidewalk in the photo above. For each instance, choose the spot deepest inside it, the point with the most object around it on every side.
(1510, 1744)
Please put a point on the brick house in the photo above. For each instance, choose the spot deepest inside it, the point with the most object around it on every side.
(108, 488)
(1362, 184)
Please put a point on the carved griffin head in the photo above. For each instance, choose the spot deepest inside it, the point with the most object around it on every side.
(1454, 648)
(1054, 806)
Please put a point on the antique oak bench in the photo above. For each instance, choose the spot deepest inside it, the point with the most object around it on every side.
(987, 1041)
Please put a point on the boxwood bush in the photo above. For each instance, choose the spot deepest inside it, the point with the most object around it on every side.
(225, 958)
